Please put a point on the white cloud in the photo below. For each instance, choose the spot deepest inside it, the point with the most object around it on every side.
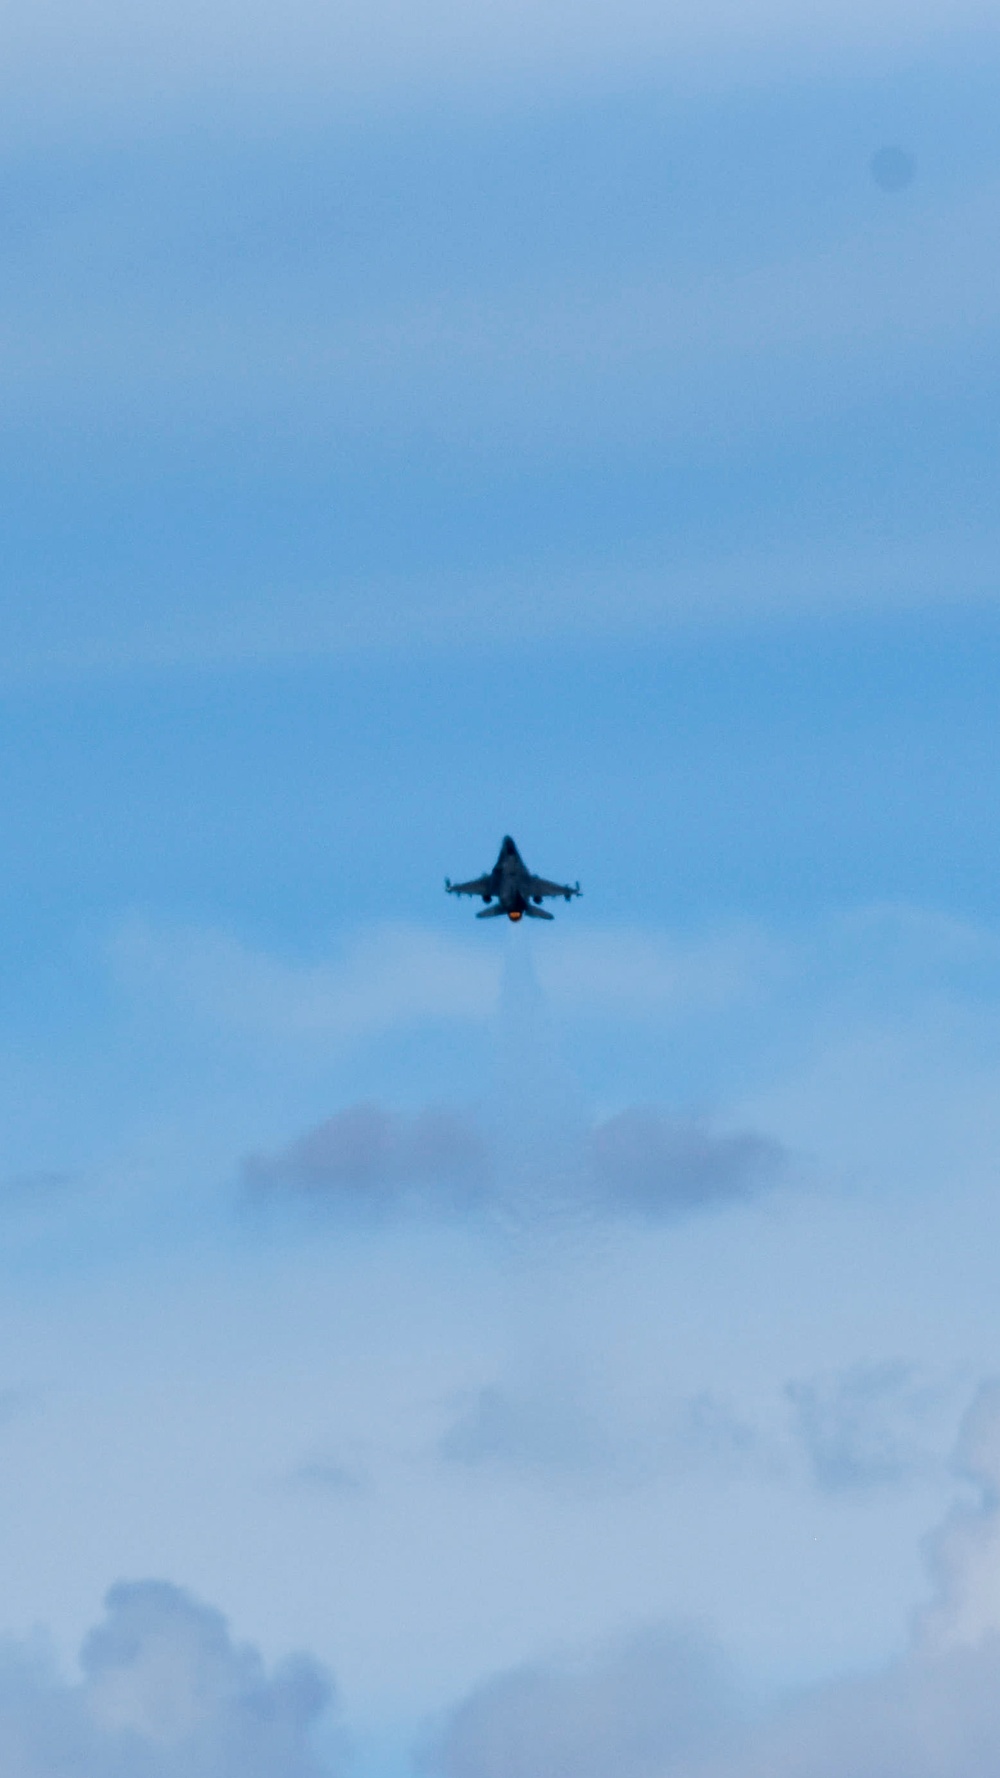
(639, 973)
(165, 1693)
(391, 976)
(965, 1553)
(394, 974)
(640, 1709)
(386, 977)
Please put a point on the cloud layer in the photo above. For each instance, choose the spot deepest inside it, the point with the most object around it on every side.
(661, 1705)
(162, 54)
(587, 363)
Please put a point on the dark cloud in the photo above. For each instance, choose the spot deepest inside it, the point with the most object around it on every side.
(326, 1476)
(556, 1434)
(165, 1693)
(371, 1157)
(638, 1163)
(860, 1428)
(646, 1163)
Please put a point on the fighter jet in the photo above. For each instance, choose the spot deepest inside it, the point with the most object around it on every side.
(511, 884)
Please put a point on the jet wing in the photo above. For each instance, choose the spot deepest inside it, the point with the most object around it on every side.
(541, 886)
(479, 886)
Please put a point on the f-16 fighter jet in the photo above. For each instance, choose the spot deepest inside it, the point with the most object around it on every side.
(511, 884)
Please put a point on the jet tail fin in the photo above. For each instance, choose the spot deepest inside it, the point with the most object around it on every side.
(490, 913)
(534, 913)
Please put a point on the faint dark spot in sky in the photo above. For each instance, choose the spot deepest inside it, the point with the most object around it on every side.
(892, 168)
(19, 1186)
(329, 1477)
(14, 1403)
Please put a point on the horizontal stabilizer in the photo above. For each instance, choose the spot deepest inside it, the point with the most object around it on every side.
(490, 913)
(534, 913)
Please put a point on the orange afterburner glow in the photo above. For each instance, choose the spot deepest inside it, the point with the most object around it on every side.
(515, 914)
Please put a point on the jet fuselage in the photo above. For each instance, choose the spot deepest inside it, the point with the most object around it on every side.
(510, 888)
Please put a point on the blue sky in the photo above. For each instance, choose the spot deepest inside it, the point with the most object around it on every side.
(472, 1351)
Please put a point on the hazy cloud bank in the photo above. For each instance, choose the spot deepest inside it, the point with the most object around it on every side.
(556, 1434)
(114, 59)
(662, 1705)
(640, 1708)
(390, 976)
(866, 1430)
(862, 1428)
(386, 976)
(165, 1693)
